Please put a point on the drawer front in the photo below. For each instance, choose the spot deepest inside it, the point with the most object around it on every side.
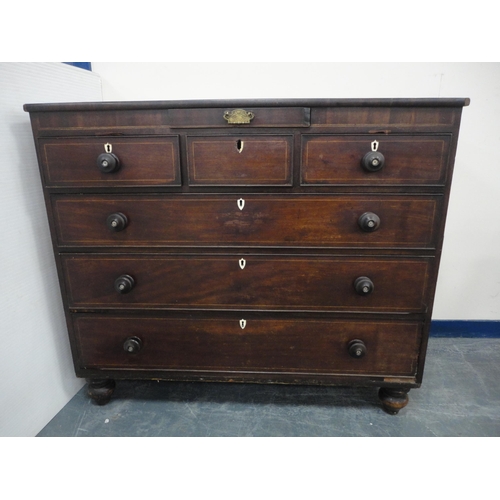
(232, 117)
(264, 345)
(142, 161)
(330, 159)
(240, 160)
(252, 282)
(387, 118)
(251, 220)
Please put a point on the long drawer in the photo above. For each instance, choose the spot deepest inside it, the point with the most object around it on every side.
(248, 220)
(249, 282)
(263, 345)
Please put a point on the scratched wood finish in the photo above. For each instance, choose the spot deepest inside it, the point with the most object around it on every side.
(144, 161)
(265, 282)
(331, 159)
(284, 221)
(240, 160)
(271, 345)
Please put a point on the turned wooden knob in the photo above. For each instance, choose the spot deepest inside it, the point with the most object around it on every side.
(356, 348)
(363, 285)
(124, 283)
(373, 161)
(369, 222)
(117, 222)
(108, 163)
(132, 345)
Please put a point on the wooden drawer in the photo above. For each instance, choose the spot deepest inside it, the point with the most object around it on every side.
(263, 345)
(240, 160)
(417, 119)
(274, 221)
(336, 159)
(143, 161)
(222, 117)
(251, 282)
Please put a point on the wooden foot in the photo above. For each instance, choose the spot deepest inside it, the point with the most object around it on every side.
(101, 390)
(393, 399)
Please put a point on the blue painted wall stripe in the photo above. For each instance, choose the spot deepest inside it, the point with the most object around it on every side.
(451, 328)
(83, 65)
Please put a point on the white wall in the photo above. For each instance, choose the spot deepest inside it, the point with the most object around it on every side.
(36, 371)
(469, 279)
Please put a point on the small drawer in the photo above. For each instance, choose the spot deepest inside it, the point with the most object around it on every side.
(247, 221)
(252, 117)
(240, 160)
(248, 345)
(250, 282)
(337, 159)
(130, 161)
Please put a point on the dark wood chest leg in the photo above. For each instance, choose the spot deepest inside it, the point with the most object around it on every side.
(393, 399)
(101, 390)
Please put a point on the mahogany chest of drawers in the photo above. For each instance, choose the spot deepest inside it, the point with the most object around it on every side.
(271, 241)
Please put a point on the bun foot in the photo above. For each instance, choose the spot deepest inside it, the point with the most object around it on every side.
(101, 390)
(393, 399)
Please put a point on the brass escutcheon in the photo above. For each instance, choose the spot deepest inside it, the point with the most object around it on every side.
(238, 116)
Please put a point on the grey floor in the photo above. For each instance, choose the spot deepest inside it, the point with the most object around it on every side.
(460, 396)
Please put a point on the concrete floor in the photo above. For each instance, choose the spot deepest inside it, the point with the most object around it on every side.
(460, 396)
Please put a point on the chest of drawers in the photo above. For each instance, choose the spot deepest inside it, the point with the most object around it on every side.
(283, 241)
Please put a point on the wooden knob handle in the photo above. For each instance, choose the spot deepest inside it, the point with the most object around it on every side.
(108, 163)
(373, 161)
(132, 345)
(363, 285)
(356, 348)
(124, 283)
(117, 222)
(369, 222)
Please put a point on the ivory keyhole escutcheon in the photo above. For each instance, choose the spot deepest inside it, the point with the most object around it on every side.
(241, 203)
(242, 263)
(108, 148)
(239, 145)
(243, 323)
